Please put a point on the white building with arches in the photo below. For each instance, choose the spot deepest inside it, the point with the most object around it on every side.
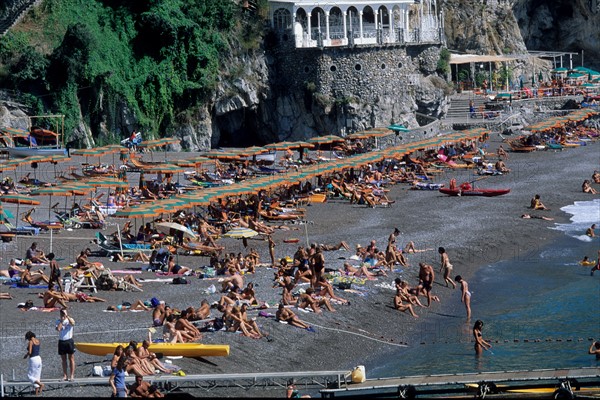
(357, 22)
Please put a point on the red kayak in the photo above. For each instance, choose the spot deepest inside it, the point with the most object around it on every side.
(474, 192)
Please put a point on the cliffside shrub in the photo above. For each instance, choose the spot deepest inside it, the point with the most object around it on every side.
(443, 64)
(156, 58)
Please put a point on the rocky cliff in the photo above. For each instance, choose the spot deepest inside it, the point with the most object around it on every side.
(561, 25)
(252, 104)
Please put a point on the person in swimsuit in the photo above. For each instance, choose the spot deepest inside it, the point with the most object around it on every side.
(287, 315)
(595, 349)
(480, 344)
(591, 231)
(597, 266)
(446, 267)
(466, 295)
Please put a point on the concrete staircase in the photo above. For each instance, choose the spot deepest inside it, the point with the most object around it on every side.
(459, 106)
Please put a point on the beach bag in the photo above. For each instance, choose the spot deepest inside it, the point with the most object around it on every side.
(180, 280)
(209, 272)
(105, 281)
(345, 285)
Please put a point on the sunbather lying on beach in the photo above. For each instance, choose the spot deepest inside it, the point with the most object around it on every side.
(126, 306)
(324, 288)
(5, 296)
(309, 299)
(287, 315)
(33, 278)
(528, 216)
(360, 271)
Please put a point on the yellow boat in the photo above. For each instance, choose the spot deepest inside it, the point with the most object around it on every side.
(167, 349)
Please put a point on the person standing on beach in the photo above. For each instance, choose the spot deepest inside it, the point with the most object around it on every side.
(271, 249)
(446, 267)
(117, 379)
(466, 295)
(34, 370)
(54, 274)
(66, 346)
(480, 344)
(426, 278)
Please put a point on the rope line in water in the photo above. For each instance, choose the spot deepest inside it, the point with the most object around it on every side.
(361, 335)
(515, 340)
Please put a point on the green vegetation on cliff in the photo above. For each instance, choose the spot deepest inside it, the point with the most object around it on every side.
(92, 59)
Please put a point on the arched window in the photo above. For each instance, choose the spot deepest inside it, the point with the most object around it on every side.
(282, 19)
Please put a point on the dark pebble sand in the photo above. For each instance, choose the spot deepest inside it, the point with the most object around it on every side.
(475, 231)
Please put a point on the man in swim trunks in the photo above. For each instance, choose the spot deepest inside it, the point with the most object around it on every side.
(426, 278)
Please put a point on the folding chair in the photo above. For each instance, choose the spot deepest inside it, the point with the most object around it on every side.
(85, 282)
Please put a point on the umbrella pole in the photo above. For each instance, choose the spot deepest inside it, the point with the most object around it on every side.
(306, 233)
(51, 240)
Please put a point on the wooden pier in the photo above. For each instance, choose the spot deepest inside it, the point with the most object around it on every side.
(546, 383)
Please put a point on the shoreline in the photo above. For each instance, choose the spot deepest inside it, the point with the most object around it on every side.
(475, 231)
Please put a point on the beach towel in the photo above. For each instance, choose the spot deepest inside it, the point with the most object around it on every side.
(121, 271)
(16, 286)
(43, 309)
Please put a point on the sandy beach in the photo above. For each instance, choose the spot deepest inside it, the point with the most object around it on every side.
(475, 231)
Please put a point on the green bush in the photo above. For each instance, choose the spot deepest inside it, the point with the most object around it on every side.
(157, 57)
(443, 64)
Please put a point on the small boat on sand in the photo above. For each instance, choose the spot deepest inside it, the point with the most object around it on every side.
(466, 189)
(167, 349)
(474, 192)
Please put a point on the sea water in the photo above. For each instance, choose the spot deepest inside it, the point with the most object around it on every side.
(540, 310)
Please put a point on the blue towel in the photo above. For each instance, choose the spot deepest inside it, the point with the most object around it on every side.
(15, 286)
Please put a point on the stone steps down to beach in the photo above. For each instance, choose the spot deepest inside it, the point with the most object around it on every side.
(14, 13)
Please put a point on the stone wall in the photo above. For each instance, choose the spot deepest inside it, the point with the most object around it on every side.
(346, 89)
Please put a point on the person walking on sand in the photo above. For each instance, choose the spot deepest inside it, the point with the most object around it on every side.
(117, 378)
(480, 344)
(446, 267)
(66, 346)
(466, 295)
(34, 370)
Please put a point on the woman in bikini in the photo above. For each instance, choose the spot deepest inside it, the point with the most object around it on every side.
(466, 295)
(480, 344)
(446, 267)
